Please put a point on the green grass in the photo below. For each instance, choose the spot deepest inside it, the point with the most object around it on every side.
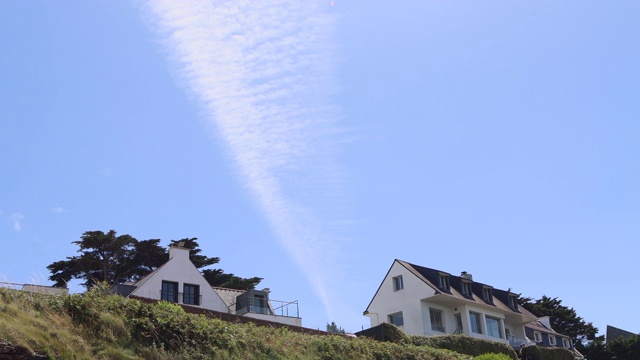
(95, 325)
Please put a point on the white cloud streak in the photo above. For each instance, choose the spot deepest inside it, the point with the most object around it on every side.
(16, 219)
(262, 71)
(58, 210)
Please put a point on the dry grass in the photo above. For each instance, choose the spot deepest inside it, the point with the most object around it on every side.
(95, 325)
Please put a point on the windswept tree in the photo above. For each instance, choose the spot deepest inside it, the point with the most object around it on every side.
(107, 257)
(565, 320)
(215, 277)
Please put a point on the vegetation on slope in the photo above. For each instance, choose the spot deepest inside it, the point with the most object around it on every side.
(95, 325)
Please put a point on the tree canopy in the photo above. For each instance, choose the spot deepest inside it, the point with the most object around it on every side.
(564, 320)
(107, 257)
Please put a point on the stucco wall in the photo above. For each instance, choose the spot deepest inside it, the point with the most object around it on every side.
(387, 301)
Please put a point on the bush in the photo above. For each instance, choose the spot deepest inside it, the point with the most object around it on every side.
(394, 334)
(465, 345)
(534, 352)
(492, 356)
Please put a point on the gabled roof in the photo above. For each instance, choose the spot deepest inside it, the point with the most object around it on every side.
(615, 333)
(431, 277)
(148, 276)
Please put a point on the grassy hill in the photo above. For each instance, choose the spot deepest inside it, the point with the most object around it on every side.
(96, 325)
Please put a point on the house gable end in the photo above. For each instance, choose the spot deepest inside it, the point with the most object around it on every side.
(406, 266)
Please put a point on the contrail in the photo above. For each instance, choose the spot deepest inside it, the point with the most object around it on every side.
(262, 71)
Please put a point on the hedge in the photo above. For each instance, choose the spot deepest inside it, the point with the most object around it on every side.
(464, 344)
(534, 352)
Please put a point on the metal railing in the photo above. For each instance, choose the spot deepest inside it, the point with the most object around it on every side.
(269, 307)
(170, 296)
(518, 341)
(285, 308)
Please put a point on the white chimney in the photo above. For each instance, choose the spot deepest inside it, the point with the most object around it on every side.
(179, 252)
(466, 275)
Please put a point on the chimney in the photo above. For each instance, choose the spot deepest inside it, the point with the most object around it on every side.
(179, 252)
(466, 275)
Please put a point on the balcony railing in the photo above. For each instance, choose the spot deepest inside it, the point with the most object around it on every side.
(269, 307)
(191, 300)
(518, 341)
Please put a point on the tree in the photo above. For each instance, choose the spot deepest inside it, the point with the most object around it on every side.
(563, 319)
(114, 259)
(215, 277)
(103, 257)
(335, 329)
(625, 348)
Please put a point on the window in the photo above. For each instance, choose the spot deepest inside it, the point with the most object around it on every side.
(396, 319)
(476, 322)
(566, 343)
(397, 283)
(507, 333)
(513, 302)
(436, 320)
(493, 327)
(169, 291)
(191, 294)
(487, 295)
(444, 282)
(466, 288)
(552, 340)
(260, 305)
(537, 337)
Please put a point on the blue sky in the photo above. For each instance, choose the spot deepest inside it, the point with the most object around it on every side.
(313, 144)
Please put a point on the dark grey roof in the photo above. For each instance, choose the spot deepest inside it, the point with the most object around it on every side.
(616, 333)
(455, 289)
(500, 297)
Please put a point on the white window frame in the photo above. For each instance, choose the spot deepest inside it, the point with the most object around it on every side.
(466, 289)
(552, 339)
(537, 336)
(397, 315)
(398, 283)
(486, 319)
(434, 326)
(566, 343)
(487, 294)
(444, 281)
(478, 317)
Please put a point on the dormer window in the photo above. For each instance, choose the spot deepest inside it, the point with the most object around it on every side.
(487, 294)
(466, 289)
(513, 301)
(444, 282)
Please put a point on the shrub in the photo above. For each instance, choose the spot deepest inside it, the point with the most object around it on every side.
(465, 345)
(534, 352)
(394, 334)
(492, 356)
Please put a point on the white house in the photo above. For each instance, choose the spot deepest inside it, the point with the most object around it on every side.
(179, 281)
(426, 301)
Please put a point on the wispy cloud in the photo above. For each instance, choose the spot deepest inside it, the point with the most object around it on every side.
(262, 71)
(16, 219)
(58, 210)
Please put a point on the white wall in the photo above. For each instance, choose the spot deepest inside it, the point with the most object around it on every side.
(387, 301)
(181, 270)
(295, 321)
